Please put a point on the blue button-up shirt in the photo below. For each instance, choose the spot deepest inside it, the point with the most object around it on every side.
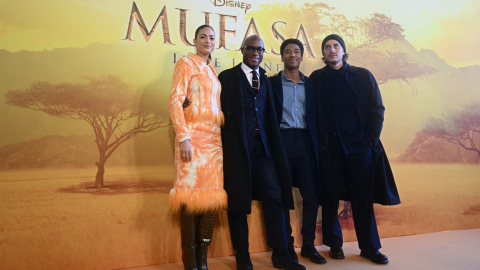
(294, 104)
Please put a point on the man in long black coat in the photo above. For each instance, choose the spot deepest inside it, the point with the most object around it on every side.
(254, 161)
(350, 119)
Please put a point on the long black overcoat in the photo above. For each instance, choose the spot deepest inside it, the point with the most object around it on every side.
(370, 111)
(236, 158)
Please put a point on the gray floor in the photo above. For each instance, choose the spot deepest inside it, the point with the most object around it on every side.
(451, 250)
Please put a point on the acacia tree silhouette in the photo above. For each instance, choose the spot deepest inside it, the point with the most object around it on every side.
(364, 35)
(106, 103)
(459, 126)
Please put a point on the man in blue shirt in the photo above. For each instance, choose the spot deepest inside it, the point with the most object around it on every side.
(296, 116)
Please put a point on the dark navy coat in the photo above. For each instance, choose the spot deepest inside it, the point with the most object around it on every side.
(370, 111)
(310, 111)
(236, 158)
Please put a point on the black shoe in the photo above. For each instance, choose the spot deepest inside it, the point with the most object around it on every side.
(281, 259)
(293, 254)
(243, 261)
(336, 253)
(311, 252)
(375, 256)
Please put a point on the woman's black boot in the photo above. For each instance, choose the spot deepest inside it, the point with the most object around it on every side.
(205, 226)
(187, 225)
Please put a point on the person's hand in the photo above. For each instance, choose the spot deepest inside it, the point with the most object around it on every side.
(273, 75)
(186, 151)
(186, 103)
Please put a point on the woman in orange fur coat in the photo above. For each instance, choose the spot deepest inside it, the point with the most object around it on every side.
(198, 183)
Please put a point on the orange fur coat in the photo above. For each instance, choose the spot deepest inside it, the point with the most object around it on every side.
(197, 184)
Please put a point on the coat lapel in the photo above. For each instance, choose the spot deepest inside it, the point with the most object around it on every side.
(349, 76)
(323, 94)
(277, 87)
(244, 80)
(238, 110)
(310, 101)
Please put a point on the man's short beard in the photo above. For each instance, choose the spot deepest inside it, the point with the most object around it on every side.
(344, 59)
(334, 62)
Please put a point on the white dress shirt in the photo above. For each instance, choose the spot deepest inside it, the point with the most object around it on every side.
(248, 73)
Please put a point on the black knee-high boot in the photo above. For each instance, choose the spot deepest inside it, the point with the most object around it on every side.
(187, 224)
(205, 224)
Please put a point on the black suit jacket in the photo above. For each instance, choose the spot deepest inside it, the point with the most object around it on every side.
(236, 158)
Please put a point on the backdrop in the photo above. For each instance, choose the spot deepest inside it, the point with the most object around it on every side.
(83, 99)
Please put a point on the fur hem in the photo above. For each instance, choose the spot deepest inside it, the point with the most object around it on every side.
(198, 200)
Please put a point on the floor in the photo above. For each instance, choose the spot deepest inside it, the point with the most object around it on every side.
(450, 250)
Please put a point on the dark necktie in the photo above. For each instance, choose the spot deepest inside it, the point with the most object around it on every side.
(255, 89)
(254, 81)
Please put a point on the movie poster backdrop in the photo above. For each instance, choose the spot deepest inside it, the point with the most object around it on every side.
(86, 144)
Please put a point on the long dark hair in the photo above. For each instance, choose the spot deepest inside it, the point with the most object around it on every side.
(198, 30)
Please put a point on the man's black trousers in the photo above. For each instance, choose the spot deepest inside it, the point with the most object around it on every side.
(266, 187)
(303, 168)
(354, 173)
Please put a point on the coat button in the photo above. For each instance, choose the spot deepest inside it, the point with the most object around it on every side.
(228, 113)
(229, 135)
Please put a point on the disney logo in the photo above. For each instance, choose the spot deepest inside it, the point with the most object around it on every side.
(231, 3)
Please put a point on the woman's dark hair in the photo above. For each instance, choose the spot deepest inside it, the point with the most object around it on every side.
(198, 30)
(201, 27)
(291, 41)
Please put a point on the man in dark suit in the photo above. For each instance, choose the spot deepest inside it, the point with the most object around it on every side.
(297, 118)
(254, 161)
(350, 119)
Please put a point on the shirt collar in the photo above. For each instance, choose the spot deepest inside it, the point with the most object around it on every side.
(340, 71)
(284, 77)
(199, 61)
(248, 70)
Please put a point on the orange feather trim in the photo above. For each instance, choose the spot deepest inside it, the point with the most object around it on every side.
(198, 200)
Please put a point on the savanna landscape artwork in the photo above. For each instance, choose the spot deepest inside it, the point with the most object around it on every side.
(86, 145)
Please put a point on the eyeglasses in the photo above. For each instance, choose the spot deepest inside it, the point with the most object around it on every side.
(252, 49)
